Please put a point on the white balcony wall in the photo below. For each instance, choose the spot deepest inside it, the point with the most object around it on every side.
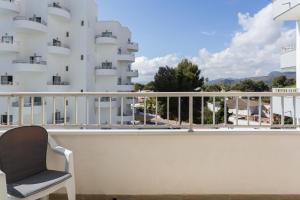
(177, 162)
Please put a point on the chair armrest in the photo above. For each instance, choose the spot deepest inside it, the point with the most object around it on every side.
(3, 188)
(69, 160)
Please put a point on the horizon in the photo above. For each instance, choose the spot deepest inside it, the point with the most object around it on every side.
(232, 43)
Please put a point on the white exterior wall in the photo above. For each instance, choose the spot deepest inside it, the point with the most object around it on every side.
(81, 74)
(167, 162)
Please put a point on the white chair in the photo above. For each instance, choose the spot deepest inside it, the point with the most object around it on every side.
(23, 171)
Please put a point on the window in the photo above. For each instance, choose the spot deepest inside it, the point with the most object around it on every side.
(67, 68)
(82, 57)
(82, 23)
(67, 34)
(4, 119)
(56, 80)
(6, 80)
(67, 102)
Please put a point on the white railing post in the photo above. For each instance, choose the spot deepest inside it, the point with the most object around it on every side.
(191, 120)
(21, 104)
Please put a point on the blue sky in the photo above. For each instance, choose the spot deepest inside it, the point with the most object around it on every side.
(181, 26)
(226, 38)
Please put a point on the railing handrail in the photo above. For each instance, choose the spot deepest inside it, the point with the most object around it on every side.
(288, 48)
(29, 62)
(58, 83)
(51, 5)
(101, 67)
(106, 36)
(234, 102)
(154, 94)
(52, 44)
(29, 19)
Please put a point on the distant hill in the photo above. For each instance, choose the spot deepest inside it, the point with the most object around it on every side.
(267, 79)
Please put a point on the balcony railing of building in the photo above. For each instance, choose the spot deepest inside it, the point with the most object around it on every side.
(57, 5)
(57, 43)
(106, 34)
(288, 48)
(33, 19)
(190, 109)
(285, 90)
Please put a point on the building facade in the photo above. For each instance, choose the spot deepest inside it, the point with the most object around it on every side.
(288, 10)
(60, 46)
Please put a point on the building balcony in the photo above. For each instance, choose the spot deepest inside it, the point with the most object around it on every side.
(58, 86)
(30, 66)
(132, 73)
(106, 71)
(9, 47)
(105, 103)
(60, 49)
(288, 58)
(27, 107)
(286, 9)
(30, 25)
(61, 12)
(106, 40)
(9, 6)
(7, 87)
(125, 87)
(133, 47)
(125, 57)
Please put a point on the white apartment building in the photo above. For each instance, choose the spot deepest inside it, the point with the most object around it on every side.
(60, 46)
(289, 10)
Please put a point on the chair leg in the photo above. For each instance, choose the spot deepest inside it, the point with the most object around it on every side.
(70, 187)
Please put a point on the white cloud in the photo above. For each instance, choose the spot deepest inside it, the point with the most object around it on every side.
(255, 50)
(206, 33)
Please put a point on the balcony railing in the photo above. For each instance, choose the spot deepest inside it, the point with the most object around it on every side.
(285, 90)
(288, 49)
(29, 62)
(106, 36)
(33, 19)
(188, 110)
(105, 67)
(58, 44)
(56, 5)
(59, 83)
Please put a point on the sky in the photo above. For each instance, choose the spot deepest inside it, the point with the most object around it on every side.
(225, 38)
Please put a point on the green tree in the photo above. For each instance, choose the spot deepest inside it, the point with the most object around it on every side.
(282, 82)
(138, 87)
(251, 86)
(213, 88)
(186, 77)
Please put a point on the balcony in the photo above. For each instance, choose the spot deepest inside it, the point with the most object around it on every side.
(59, 11)
(132, 73)
(106, 71)
(133, 47)
(7, 86)
(106, 40)
(58, 86)
(105, 103)
(9, 47)
(288, 58)
(35, 64)
(28, 107)
(125, 57)
(30, 25)
(58, 49)
(125, 87)
(157, 153)
(286, 9)
(9, 6)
